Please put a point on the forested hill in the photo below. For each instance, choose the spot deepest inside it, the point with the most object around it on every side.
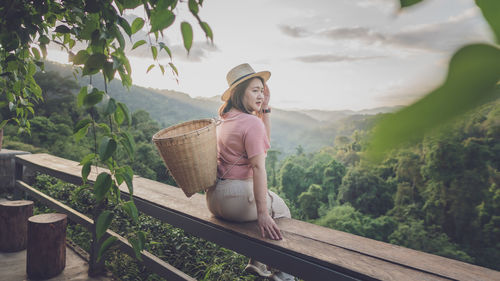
(308, 129)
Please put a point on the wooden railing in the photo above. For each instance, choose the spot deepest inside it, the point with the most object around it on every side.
(308, 251)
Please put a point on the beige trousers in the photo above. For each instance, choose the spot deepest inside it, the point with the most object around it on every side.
(234, 200)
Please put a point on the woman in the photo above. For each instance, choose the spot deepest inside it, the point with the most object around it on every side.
(243, 138)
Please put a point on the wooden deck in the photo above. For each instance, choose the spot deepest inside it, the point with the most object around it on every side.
(13, 267)
(308, 251)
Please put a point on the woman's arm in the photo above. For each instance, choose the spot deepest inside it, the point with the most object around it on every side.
(266, 116)
(266, 223)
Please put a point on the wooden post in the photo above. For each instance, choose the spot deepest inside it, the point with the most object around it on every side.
(14, 224)
(96, 268)
(18, 176)
(46, 252)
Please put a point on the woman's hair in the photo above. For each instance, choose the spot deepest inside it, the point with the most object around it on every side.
(236, 98)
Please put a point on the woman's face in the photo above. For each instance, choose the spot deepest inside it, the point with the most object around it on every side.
(254, 95)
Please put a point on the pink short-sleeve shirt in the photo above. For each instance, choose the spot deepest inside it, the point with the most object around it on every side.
(240, 137)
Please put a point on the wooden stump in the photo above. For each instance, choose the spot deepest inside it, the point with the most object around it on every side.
(14, 224)
(46, 252)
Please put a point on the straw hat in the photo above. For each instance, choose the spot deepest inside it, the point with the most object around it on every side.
(239, 74)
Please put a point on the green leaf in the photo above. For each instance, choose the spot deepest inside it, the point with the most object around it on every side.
(128, 142)
(44, 40)
(105, 127)
(162, 69)
(105, 246)
(150, 67)
(36, 53)
(62, 29)
(103, 222)
(130, 4)
(82, 123)
(111, 107)
(86, 171)
(93, 64)
(491, 12)
(163, 46)
(161, 19)
(81, 96)
(106, 148)
(193, 7)
(81, 57)
(93, 98)
(123, 114)
(208, 31)
(154, 52)
(108, 70)
(136, 246)
(2, 124)
(407, 3)
(88, 159)
(137, 25)
(126, 174)
(82, 132)
(174, 68)
(102, 186)
(187, 35)
(124, 24)
(473, 72)
(138, 43)
(130, 208)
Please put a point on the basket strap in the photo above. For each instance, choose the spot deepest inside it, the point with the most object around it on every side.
(234, 164)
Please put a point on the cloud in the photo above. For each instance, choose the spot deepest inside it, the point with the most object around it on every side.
(198, 52)
(294, 31)
(330, 58)
(438, 37)
(353, 33)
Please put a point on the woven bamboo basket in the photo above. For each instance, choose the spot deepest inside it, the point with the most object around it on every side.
(189, 151)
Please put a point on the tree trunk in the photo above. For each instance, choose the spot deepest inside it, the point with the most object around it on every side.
(14, 217)
(46, 253)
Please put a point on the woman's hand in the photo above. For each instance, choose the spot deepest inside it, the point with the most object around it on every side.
(267, 96)
(267, 225)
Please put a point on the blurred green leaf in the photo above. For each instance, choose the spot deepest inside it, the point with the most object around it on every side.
(208, 31)
(88, 159)
(81, 57)
(193, 6)
(93, 64)
(111, 107)
(126, 174)
(491, 11)
(154, 52)
(150, 67)
(86, 171)
(122, 113)
(138, 43)
(128, 142)
(187, 35)
(136, 246)
(93, 98)
(407, 3)
(473, 72)
(161, 19)
(81, 96)
(82, 123)
(163, 46)
(102, 186)
(105, 245)
(130, 208)
(137, 25)
(106, 148)
(130, 4)
(124, 24)
(103, 222)
(62, 29)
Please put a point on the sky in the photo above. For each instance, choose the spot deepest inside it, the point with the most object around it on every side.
(322, 54)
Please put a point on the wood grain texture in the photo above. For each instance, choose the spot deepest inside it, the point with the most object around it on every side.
(14, 224)
(46, 251)
(375, 259)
